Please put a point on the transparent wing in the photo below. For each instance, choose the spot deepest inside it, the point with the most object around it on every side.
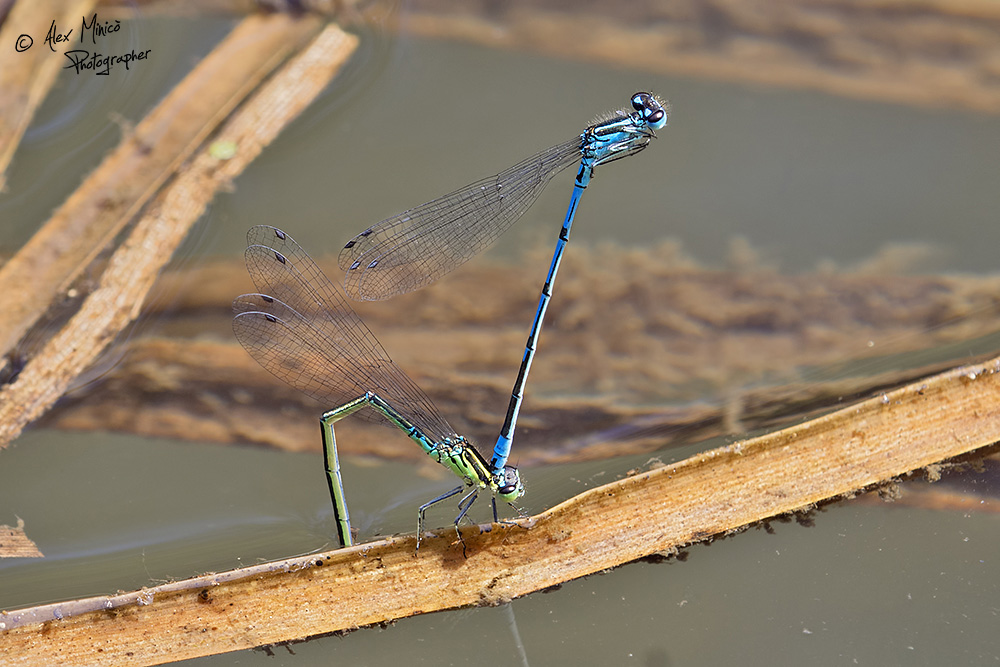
(301, 329)
(417, 247)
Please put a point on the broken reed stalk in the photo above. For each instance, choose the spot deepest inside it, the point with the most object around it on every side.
(128, 178)
(28, 69)
(655, 512)
(136, 263)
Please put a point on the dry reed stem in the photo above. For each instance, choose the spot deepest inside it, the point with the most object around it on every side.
(135, 265)
(655, 512)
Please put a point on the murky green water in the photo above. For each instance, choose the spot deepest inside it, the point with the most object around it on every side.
(804, 177)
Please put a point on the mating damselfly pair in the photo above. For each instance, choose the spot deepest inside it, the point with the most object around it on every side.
(300, 327)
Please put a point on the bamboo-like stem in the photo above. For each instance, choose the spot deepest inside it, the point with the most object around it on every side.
(659, 511)
(135, 265)
(131, 175)
(29, 67)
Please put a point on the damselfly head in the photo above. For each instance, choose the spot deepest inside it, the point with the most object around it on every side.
(509, 484)
(652, 111)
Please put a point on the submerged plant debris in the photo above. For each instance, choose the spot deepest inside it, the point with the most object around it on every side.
(643, 347)
(15, 543)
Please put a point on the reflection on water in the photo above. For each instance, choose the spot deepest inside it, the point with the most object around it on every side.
(814, 185)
